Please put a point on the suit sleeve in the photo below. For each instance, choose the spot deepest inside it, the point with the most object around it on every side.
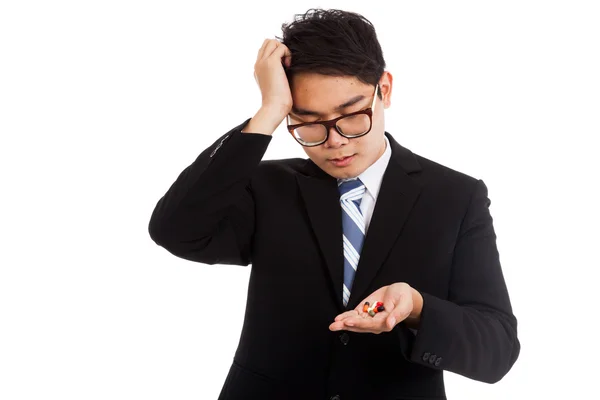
(207, 215)
(474, 332)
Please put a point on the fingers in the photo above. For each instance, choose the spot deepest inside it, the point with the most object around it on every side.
(273, 47)
(340, 322)
(363, 324)
(283, 52)
(261, 51)
(351, 313)
(336, 326)
(269, 47)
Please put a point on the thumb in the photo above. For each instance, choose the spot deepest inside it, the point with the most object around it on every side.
(400, 311)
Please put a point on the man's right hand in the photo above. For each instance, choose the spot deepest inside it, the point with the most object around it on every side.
(274, 87)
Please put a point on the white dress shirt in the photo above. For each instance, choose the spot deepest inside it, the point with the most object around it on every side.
(371, 178)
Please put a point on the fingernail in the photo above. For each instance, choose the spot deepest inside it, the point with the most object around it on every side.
(393, 322)
(349, 323)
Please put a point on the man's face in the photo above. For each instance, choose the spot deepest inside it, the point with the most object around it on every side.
(323, 94)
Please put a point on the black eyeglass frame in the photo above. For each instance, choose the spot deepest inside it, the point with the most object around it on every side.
(332, 123)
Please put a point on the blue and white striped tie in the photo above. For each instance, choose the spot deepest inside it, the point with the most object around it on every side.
(353, 228)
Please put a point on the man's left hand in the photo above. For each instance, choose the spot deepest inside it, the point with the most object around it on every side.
(400, 301)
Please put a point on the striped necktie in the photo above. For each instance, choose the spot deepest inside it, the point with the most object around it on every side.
(353, 228)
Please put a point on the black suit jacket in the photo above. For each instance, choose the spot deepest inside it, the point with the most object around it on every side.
(430, 228)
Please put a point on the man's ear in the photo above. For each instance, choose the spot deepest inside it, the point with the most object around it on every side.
(385, 86)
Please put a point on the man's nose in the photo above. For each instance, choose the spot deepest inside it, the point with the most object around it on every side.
(335, 139)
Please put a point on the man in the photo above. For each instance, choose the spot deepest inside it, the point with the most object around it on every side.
(363, 219)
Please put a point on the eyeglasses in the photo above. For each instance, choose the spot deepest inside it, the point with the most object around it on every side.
(350, 126)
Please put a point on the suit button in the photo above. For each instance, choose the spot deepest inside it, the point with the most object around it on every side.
(438, 361)
(432, 358)
(336, 397)
(345, 338)
(426, 356)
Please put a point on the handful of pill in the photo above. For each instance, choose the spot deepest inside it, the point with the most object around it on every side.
(373, 309)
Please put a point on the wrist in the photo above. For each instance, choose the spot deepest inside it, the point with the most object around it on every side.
(265, 121)
(417, 299)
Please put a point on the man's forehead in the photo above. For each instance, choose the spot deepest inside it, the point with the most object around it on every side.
(327, 99)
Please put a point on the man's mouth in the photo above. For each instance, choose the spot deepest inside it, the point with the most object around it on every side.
(342, 162)
(340, 159)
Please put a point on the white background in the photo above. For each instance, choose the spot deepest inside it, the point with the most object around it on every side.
(103, 103)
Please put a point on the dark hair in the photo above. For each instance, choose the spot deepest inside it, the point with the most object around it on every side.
(334, 42)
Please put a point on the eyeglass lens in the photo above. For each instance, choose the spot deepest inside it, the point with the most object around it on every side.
(354, 125)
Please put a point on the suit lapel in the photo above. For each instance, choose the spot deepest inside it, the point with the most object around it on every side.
(321, 198)
(395, 200)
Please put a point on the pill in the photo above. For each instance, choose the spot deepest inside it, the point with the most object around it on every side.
(371, 313)
(366, 307)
